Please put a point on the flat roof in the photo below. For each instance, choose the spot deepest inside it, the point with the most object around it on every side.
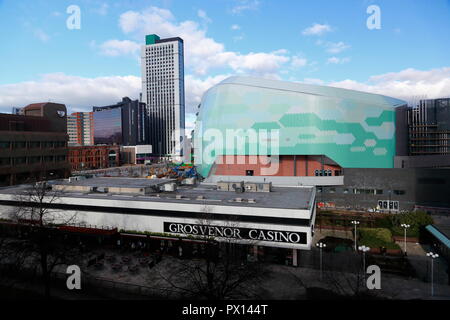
(117, 182)
(278, 198)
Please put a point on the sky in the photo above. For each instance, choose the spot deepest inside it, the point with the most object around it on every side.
(325, 42)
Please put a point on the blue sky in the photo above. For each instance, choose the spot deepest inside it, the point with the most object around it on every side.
(323, 42)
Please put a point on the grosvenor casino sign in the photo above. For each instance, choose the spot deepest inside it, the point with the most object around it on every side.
(236, 232)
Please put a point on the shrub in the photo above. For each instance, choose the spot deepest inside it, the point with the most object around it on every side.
(377, 237)
(418, 220)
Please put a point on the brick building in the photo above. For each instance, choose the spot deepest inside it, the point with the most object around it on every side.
(80, 128)
(93, 157)
(33, 145)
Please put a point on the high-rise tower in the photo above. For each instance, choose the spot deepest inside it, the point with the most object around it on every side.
(163, 92)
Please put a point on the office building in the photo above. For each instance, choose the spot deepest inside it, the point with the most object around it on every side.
(33, 145)
(163, 92)
(424, 134)
(80, 128)
(124, 123)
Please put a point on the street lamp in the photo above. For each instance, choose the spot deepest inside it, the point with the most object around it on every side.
(364, 249)
(355, 222)
(405, 226)
(433, 256)
(321, 245)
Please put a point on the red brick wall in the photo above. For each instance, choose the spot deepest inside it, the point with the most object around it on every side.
(93, 157)
(231, 167)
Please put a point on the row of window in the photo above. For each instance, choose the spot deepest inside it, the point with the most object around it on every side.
(8, 161)
(359, 191)
(32, 144)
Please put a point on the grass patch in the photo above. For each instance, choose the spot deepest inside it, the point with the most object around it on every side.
(377, 237)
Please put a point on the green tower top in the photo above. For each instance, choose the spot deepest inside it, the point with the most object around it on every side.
(151, 39)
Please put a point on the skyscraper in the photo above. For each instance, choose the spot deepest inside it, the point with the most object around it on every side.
(163, 92)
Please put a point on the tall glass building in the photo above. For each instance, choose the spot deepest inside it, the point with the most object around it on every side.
(315, 130)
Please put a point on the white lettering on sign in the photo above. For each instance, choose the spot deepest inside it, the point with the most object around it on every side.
(236, 233)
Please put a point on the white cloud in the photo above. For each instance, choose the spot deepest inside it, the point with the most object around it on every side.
(235, 27)
(244, 5)
(102, 10)
(195, 88)
(78, 93)
(313, 81)
(316, 29)
(119, 47)
(202, 15)
(408, 83)
(298, 62)
(201, 52)
(41, 35)
(336, 60)
(336, 47)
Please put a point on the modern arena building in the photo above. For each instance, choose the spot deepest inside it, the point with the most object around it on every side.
(342, 141)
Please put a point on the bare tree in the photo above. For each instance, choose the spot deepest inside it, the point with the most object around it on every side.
(45, 244)
(222, 273)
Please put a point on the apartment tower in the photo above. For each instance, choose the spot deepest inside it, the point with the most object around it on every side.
(163, 92)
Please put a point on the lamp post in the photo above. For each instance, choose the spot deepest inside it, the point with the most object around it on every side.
(321, 245)
(433, 256)
(405, 226)
(364, 249)
(355, 222)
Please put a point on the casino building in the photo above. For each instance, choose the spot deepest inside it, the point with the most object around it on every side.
(255, 215)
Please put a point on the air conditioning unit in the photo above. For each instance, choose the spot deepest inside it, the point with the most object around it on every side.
(264, 187)
(222, 186)
(250, 187)
(236, 186)
(170, 187)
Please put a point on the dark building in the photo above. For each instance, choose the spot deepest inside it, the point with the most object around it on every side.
(33, 145)
(423, 134)
(124, 123)
(392, 190)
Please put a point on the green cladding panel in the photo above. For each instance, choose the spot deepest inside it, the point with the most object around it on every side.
(355, 129)
(151, 39)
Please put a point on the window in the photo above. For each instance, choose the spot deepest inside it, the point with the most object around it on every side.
(332, 190)
(378, 191)
(316, 172)
(399, 192)
(20, 144)
(20, 160)
(5, 144)
(329, 173)
(345, 190)
(5, 161)
(249, 172)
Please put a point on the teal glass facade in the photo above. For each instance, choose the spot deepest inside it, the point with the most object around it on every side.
(355, 129)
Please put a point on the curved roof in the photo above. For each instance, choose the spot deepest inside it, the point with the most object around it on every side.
(312, 89)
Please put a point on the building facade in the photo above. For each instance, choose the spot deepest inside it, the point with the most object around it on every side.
(33, 145)
(80, 128)
(162, 63)
(313, 130)
(424, 134)
(124, 123)
(93, 157)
